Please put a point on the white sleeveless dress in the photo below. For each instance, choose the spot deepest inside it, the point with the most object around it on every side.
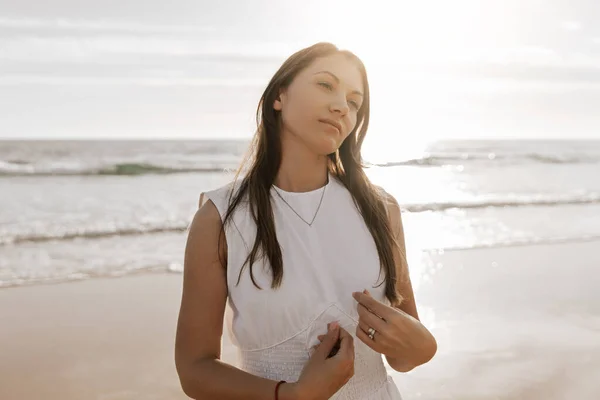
(274, 329)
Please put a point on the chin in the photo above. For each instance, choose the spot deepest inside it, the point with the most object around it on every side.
(326, 145)
(327, 148)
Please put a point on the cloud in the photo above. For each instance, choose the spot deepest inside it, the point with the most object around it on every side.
(88, 25)
(572, 25)
(24, 79)
(68, 48)
(533, 55)
(108, 48)
(135, 48)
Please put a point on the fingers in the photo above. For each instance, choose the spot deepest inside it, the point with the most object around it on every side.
(364, 327)
(370, 303)
(370, 319)
(346, 343)
(329, 340)
(361, 325)
(364, 337)
(343, 333)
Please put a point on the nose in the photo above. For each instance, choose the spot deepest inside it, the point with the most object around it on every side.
(339, 106)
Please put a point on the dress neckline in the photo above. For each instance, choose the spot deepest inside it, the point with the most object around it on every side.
(308, 193)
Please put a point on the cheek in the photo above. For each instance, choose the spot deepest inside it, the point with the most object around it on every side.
(300, 116)
(351, 125)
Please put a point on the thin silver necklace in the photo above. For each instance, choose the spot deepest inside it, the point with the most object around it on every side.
(299, 216)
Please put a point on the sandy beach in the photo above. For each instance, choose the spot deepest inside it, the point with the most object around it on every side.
(103, 339)
(511, 323)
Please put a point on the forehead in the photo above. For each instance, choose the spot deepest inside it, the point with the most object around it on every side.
(341, 66)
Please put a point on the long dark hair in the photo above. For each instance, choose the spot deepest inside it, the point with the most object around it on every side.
(263, 160)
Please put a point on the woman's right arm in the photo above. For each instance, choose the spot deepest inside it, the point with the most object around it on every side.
(200, 327)
(200, 323)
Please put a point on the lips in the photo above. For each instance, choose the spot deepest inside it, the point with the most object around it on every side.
(335, 124)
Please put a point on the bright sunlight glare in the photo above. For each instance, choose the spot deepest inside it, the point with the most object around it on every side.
(408, 48)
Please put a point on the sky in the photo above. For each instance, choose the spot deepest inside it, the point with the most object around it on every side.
(196, 69)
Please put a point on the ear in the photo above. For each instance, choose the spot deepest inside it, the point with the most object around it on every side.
(278, 103)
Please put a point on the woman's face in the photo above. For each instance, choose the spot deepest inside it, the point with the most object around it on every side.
(320, 106)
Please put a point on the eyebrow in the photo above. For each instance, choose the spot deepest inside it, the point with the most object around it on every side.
(338, 81)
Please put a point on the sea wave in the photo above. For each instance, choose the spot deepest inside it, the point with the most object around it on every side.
(88, 233)
(180, 226)
(528, 241)
(462, 158)
(513, 201)
(22, 168)
(80, 276)
(219, 162)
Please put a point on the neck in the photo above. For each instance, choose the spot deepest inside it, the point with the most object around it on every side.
(301, 170)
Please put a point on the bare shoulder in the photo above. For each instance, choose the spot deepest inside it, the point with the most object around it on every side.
(207, 217)
(204, 293)
(394, 213)
(204, 233)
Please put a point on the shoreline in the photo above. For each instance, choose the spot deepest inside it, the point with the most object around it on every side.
(432, 252)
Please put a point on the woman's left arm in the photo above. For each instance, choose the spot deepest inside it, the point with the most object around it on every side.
(400, 336)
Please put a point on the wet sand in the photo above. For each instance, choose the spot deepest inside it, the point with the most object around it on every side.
(511, 323)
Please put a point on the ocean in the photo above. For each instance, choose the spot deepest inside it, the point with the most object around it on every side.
(72, 210)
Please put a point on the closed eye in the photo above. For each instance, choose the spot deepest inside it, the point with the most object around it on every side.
(329, 86)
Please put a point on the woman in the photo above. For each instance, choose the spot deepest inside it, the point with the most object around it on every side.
(306, 253)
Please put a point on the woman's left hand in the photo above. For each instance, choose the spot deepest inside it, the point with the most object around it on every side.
(397, 334)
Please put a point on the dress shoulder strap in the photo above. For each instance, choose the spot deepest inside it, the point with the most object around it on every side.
(220, 197)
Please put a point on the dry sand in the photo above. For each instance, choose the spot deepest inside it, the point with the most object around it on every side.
(102, 339)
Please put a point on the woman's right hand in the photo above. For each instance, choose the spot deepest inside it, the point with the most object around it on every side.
(322, 377)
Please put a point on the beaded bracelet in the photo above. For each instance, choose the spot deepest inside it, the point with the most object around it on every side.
(277, 389)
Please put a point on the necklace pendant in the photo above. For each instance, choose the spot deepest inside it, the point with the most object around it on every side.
(297, 214)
